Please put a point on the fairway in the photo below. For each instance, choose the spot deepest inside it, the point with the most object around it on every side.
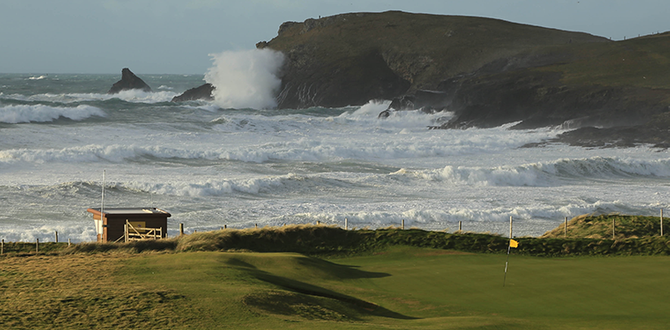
(409, 288)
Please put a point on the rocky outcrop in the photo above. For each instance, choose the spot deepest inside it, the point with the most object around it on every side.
(128, 81)
(487, 72)
(350, 59)
(202, 92)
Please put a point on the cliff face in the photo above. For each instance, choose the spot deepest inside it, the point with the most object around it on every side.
(350, 59)
(488, 72)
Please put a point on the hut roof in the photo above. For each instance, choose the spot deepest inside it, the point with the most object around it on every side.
(131, 211)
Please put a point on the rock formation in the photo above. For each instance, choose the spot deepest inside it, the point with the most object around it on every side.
(350, 59)
(488, 72)
(128, 81)
(202, 92)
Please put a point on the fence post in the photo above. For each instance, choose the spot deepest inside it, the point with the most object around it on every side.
(181, 229)
(2, 247)
(403, 224)
(225, 226)
(346, 224)
(613, 231)
(661, 222)
(566, 227)
(125, 232)
(68, 242)
(460, 225)
(256, 226)
(56, 233)
(37, 245)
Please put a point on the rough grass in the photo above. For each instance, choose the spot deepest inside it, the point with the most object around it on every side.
(600, 227)
(640, 62)
(588, 236)
(79, 292)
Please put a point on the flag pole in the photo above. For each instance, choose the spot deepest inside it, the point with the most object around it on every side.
(509, 247)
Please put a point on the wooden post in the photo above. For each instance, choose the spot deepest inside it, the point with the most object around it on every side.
(181, 229)
(125, 232)
(256, 226)
(403, 224)
(661, 222)
(318, 222)
(2, 247)
(613, 231)
(460, 225)
(37, 245)
(566, 227)
(225, 226)
(346, 224)
(68, 242)
(56, 233)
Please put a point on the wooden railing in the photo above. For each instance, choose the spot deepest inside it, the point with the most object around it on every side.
(130, 233)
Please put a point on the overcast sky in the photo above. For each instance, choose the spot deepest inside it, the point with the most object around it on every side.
(177, 36)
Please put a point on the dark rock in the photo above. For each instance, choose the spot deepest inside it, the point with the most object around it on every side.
(539, 99)
(350, 59)
(128, 81)
(655, 132)
(422, 100)
(203, 92)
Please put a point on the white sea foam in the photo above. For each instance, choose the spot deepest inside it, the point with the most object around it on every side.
(133, 96)
(245, 79)
(546, 173)
(13, 114)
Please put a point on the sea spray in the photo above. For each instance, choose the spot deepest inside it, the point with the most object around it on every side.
(246, 79)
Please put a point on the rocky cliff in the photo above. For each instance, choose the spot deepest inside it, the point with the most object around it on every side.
(488, 72)
(352, 58)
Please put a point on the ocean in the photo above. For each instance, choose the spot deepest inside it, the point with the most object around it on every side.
(211, 165)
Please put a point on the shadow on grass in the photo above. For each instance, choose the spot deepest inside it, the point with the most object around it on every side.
(304, 303)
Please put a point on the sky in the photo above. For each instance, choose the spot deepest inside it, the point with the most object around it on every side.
(178, 36)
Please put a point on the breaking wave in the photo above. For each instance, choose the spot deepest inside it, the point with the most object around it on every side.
(245, 79)
(133, 96)
(13, 114)
(545, 173)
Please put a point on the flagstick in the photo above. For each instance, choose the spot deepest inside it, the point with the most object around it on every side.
(509, 247)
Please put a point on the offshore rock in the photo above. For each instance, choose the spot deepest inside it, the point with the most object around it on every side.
(203, 92)
(128, 81)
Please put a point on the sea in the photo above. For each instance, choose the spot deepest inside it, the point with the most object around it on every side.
(210, 164)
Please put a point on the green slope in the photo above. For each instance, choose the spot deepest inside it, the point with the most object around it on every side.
(409, 288)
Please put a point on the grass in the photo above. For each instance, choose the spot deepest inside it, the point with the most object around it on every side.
(400, 287)
(320, 276)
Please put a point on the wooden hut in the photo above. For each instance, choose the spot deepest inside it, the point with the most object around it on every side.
(123, 224)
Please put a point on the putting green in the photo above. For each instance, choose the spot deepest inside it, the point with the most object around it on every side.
(410, 288)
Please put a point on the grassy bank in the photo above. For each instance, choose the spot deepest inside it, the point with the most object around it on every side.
(586, 235)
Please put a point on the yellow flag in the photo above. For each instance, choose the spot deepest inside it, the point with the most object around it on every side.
(513, 243)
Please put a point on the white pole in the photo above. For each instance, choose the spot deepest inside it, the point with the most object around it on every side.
(509, 246)
(102, 207)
